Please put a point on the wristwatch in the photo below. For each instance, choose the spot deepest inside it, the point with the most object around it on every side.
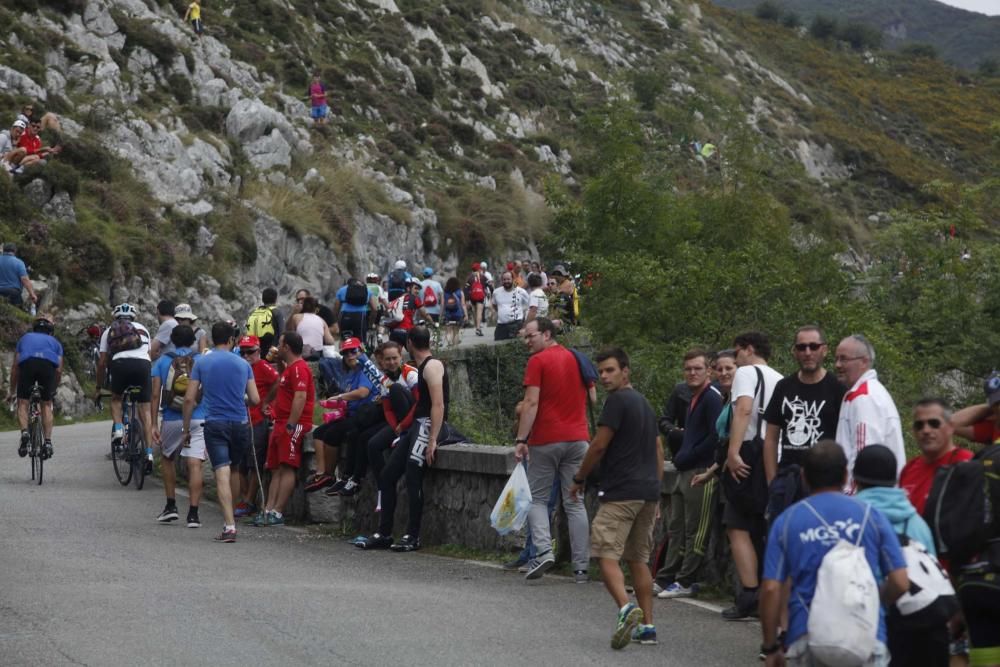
(770, 650)
(289, 427)
(581, 482)
(521, 441)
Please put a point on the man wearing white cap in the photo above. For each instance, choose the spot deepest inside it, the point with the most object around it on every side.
(10, 154)
(184, 315)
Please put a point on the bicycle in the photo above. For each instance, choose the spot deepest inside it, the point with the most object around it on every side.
(129, 456)
(89, 339)
(35, 431)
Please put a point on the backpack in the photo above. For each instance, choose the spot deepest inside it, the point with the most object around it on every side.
(261, 321)
(476, 290)
(396, 283)
(451, 302)
(430, 298)
(963, 507)
(588, 372)
(123, 336)
(357, 295)
(176, 384)
(394, 315)
(844, 614)
(930, 602)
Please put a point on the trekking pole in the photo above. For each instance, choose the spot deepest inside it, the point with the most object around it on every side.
(256, 467)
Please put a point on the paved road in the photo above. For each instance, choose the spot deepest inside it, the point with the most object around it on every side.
(88, 578)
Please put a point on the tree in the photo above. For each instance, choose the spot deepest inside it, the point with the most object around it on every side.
(989, 67)
(860, 36)
(823, 27)
(647, 85)
(768, 11)
(920, 50)
(791, 20)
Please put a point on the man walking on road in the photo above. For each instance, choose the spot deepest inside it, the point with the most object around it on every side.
(868, 414)
(799, 540)
(293, 412)
(631, 458)
(552, 435)
(510, 303)
(692, 507)
(223, 379)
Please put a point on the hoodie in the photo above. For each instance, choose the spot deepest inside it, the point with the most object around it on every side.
(894, 504)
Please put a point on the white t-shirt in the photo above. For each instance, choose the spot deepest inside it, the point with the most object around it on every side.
(6, 144)
(540, 302)
(163, 335)
(511, 305)
(141, 352)
(744, 384)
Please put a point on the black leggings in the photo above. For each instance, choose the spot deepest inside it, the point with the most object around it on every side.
(979, 596)
(400, 463)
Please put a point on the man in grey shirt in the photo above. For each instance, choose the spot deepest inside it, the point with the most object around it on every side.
(161, 341)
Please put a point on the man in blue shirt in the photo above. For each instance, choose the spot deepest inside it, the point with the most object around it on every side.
(226, 382)
(430, 286)
(166, 387)
(38, 358)
(14, 276)
(801, 537)
(351, 306)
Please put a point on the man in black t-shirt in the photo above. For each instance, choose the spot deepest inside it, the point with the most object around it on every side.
(803, 410)
(631, 459)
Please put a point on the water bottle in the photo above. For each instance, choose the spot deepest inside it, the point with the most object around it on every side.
(33, 310)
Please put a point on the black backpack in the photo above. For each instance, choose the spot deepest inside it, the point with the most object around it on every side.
(963, 507)
(357, 295)
(396, 283)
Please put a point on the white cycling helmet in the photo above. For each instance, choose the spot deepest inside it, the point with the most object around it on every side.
(483, 265)
(124, 310)
(372, 277)
(400, 264)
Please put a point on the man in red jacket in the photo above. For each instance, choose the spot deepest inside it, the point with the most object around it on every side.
(933, 430)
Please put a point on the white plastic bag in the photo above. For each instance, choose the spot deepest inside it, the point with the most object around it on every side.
(511, 509)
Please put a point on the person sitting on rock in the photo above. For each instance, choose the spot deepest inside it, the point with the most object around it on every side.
(35, 153)
(10, 153)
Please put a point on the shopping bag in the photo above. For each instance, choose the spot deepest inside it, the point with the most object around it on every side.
(511, 509)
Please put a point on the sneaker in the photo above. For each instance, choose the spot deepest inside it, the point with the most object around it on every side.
(227, 536)
(317, 482)
(117, 433)
(350, 489)
(515, 564)
(168, 514)
(540, 566)
(376, 541)
(22, 449)
(745, 608)
(47, 449)
(335, 488)
(244, 509)
(675, 590)
(644, 634)
(629, 617)
(149, 467)
(268, 518)
(523, 569)
(406, 543)
(581, 576)
(657, 589)
(192, 519)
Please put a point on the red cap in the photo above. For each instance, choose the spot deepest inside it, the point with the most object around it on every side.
(475, 266)
(249, 341)
(350, 344)
(510, 266)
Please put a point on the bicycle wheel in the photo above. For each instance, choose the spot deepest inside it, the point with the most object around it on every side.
(121, 463)
(138, 449)
(37, 441)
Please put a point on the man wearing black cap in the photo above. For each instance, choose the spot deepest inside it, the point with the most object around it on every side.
(14, 276)
(875, 475)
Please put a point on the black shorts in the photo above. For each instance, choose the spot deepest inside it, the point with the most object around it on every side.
(735, 518)
(40, 370)
(127, 373)
(353, 323)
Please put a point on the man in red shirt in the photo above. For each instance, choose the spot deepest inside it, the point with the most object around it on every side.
(981, 423)
(266, 379)
(32, 145)
(552, 435)
(413, 307)
(293, 413)
(933, 430)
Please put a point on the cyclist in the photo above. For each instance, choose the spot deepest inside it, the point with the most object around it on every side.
(125, 344)
(352, 306)
(39, 358)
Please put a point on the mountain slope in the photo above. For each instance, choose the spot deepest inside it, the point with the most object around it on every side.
(961, 37)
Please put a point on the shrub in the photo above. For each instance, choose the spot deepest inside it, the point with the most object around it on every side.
(920, 50)
(89, 157)
(791, 20)
(989, 67)
(61, 176)
(768, 11)
(647, 85)
(860, 36)
(823, 27)
(14, 206)
(180, 87)
(139, 33)
(424, 77)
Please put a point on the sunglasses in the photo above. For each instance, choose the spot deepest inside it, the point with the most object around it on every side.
(247, 353)
(802, 347)
(918, 424)
(351, 352)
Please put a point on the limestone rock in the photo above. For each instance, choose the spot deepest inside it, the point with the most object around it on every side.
(38, 192)
(269, 151)
(60, 208)
(251, 119)
(16, 83)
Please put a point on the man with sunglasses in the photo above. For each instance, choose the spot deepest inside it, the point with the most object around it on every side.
(868, 414)
(266, 378)
(803, 410)
(933, 430)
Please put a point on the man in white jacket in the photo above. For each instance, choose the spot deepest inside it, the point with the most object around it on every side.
(868, 415)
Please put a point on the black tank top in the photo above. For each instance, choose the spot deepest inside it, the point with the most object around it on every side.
(424, 400)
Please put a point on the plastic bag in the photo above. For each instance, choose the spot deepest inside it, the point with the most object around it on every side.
(511, 509)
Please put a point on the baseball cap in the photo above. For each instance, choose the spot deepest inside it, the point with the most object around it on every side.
(428, 271)
(20, 123)
(249, 342)
(992, 388)
(558, 270)
(510, 266)
(10, 247)
(350, 344)
(875, 466)
(183, 312)
(475, 266)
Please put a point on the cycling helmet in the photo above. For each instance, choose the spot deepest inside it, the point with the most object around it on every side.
(372, 278)
(43, 324)
(400, 264)
(124, 310)
(992, 388)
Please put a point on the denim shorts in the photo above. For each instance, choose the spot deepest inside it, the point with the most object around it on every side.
(227, 443)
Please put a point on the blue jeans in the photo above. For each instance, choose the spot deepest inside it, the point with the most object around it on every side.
(529, 551)
(227, 443)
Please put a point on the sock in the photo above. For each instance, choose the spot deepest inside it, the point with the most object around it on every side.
(194, 508)
(231, 527)
(276, 514)
(747, 589)
(171, 502)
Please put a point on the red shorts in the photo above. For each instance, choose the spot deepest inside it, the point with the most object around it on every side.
(285, 447)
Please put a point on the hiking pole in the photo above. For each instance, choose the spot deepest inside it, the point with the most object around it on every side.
(256, 466)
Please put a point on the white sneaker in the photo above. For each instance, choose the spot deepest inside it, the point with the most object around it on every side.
(540, 566)
(675, 590)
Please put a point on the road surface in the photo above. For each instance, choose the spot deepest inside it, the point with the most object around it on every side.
(87, 577)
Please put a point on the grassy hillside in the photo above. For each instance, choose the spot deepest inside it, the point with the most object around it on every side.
(961, 37)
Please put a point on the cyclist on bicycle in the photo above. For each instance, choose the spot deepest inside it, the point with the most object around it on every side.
(353, 306)
(126, 344)
(39, 358)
